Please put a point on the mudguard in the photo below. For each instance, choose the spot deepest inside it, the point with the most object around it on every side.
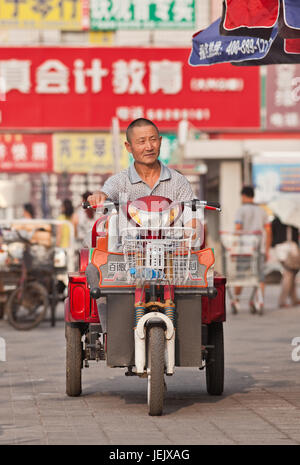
(140, 341)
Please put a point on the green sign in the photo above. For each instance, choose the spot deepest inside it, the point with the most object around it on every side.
(142, 14)
(168, 145)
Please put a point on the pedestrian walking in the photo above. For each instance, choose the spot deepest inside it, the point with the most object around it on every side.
(39, 233)
(28, 211)
(83, 220)
(63, 230)
(283, 239)
(251, 217)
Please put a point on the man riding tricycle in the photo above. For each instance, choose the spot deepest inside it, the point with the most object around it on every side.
(145, 296)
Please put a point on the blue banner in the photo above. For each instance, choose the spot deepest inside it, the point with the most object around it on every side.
(210, 47)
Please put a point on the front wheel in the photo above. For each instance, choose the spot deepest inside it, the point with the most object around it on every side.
(26, 306)
(74, 358)
(155, 369)
(215, 360)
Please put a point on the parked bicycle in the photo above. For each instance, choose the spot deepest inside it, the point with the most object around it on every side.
(37, 287)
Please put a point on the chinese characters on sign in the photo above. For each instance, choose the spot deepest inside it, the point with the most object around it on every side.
(53, 77)
(138, 14)
(210, 47)
(94, 85)
(234, 47)
(16, 75)
(60, 14)
(26, 153)
(60, 152)
(283, 97)
(86, 153)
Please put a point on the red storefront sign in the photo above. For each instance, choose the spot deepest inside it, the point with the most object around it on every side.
(84, 88)
(283, 97)
(26, 153)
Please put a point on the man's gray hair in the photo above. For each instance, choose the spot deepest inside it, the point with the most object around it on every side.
(138, 123)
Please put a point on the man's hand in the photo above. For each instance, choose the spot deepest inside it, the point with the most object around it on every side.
(97, 198)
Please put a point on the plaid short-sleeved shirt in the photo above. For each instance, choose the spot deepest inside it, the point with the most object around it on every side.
(170, 184)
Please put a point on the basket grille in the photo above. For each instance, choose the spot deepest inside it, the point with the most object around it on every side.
(163, 256)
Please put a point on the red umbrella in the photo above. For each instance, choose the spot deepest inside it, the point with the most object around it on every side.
(258, 17)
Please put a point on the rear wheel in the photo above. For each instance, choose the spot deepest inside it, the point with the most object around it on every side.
(215, 360)
(26, 307)
(155, 369)
(74, 358)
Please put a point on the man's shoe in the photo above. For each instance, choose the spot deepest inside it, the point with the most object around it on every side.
(252, 307)
(235, 306)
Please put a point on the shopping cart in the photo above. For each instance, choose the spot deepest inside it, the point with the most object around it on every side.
(242, 266)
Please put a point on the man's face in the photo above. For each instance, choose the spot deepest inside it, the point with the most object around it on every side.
(144, 144)
(246, 199)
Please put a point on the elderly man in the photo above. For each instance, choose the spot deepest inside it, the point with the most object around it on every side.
(146, 175)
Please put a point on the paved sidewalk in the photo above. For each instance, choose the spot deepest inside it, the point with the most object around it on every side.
(260, 405)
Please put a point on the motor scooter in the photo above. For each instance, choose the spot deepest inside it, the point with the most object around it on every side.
(146, 297)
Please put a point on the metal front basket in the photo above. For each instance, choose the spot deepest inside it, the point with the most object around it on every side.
(163, 257)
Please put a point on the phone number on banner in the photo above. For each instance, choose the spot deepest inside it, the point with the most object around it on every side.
(248, 46)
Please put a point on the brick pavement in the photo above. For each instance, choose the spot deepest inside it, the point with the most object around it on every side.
(260, 405)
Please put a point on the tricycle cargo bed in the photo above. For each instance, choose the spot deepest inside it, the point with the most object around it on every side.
(80, 307)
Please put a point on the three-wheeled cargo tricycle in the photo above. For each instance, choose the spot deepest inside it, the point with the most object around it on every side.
(146, 297)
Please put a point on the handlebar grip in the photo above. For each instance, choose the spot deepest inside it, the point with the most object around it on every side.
(106, 204)
(214, 204)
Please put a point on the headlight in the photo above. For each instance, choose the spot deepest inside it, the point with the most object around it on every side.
(170, 215)
(134, 214)
(154, 219)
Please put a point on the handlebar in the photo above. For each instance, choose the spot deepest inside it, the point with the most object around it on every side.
(107, 203)
(194, 204)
